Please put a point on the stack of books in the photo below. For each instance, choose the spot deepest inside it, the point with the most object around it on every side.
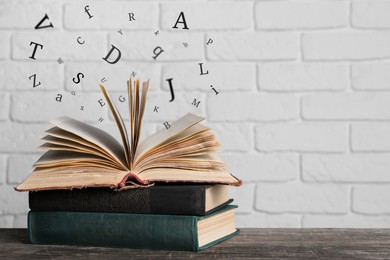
(168, 192)
(169, 217)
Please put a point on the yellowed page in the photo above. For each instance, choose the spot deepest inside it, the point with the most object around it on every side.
(200, 163)
(120, 124)
(161, 136)
(70, 178)
(195, 133)
(58, 133)
(137, 105)
(132, 115)
(93, 135)
(145, 87)
(180, 175)
(184, 150)
(53, 156)
(70, 144)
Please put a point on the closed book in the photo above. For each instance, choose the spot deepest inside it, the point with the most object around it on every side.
(166, 232)
(166, 199)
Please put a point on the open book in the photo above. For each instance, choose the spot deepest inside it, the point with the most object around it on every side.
(80, 155)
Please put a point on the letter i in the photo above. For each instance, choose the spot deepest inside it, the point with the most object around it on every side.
(216, 92)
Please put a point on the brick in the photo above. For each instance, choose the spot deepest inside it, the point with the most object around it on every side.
(20, 166)
(370, 14)
(4, 106)
(256, 107)
(224, 77)
(371, 199)
(353, 106)
(142, 44)
(6, 221)
(345, 221)
(12, 202)
(208, 15)
(4, 44)
(51, 77)
(304, 137)
(370, 137)
(3, 168)
(370, 76)
(346, 45)
(243, 197)
(262, 220)
(116, 76)
(26, 15)
(263, 167)
(20, 221)
(59, 44)
(28, 107)
(302, 198)
(302, 77)
(17, 137)
(346, 168)
(113, 16)
(301, 14)
(232, 136)
(253, 46)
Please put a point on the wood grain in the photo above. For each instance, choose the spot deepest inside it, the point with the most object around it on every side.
(250, 244)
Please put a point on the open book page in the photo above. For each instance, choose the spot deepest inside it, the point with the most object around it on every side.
(163, 135)
(73, 177)
(202, 144)
(54, 142)
(59, 136)
(137, 105)
(60, 158)
(120, 124)
(130, 93)
(145, 87)
(181, 175)
(200, 162)
(93, 135)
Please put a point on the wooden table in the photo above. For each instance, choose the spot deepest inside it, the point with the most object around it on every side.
(251, 243)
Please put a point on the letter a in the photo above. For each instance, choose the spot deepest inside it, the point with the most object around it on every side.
(59, 98)
(183, 22)
(38, 26)
(109, 53)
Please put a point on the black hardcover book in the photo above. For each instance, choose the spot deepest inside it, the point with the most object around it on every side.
(168, 199)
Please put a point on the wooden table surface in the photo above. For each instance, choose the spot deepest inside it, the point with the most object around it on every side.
(251, 243)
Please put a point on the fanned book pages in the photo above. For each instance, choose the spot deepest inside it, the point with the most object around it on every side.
(79, 155)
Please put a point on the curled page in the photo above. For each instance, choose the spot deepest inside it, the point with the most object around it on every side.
(93, 135)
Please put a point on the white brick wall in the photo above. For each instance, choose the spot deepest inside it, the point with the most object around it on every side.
(303, 112)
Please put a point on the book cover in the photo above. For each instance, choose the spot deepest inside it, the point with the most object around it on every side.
(185, 199)
(148, 231)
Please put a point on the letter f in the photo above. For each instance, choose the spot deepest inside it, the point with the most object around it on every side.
(86, 8)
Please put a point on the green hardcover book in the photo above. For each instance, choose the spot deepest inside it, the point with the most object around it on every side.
(147, 231)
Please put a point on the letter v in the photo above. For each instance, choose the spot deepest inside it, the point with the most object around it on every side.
(38, 26)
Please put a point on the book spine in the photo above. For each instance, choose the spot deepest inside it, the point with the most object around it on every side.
(114, 230)
(155, 200)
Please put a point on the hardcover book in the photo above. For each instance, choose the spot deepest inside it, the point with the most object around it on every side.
(79, 155)
(168, 232)
(185, 199)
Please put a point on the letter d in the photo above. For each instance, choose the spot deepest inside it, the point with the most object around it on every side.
(109, 53)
